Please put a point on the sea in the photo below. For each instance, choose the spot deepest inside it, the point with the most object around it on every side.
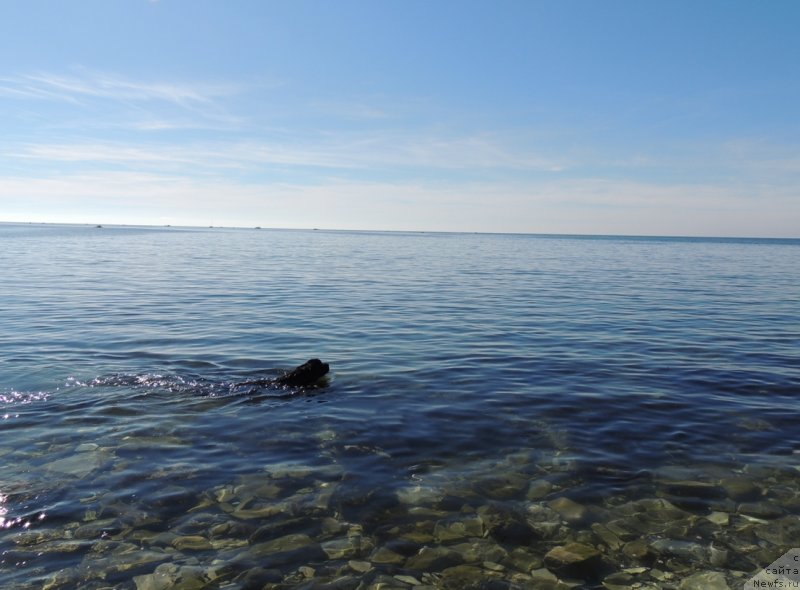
(512, 394)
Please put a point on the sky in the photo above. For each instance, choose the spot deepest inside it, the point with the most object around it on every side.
(630, 117)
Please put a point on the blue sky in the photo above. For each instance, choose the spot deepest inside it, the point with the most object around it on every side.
(615, 117)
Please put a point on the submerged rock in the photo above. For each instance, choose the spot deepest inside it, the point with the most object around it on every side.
(545, 522)
(687, 550)
(705, 581)
(419, 495)
(98, 529)
(512, 485)
(458, 529)
(638, 550)
(569, 510)
(765, 510)
(574, 560)
(264, 511)
(741, 489)
(523, 559)
(359, 566)
(78, 465)
(544, 578)
(783, 532)
(410, 580)
(618, 581)
(258, 577)
(86, 447)
(607, 536)
(346, 547)
(164, 577)
(506, 524)
(191, 543)
(480, 551)
(434, 559)
(469, 577)
(538, 489)
(281, 544)
(693, 489)
(65, 578)
(385, 556)
(719, 518)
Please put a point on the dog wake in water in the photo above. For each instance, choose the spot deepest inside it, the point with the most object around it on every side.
(306, 376)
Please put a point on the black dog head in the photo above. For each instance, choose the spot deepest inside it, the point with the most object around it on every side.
(305, 375)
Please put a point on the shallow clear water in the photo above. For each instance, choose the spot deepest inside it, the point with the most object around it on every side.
(455, 358)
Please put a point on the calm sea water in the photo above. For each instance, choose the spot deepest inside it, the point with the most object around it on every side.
(449, 354)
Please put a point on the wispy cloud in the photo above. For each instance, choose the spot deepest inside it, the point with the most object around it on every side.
(351, 109)
(399, 152)
(113, 99)
(90, 84)
(114, 154)
(113, 102)
(766, 156)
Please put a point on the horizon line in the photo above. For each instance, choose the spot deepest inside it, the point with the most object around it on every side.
(397, 231)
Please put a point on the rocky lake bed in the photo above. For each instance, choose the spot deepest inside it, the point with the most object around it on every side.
(529, 520)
